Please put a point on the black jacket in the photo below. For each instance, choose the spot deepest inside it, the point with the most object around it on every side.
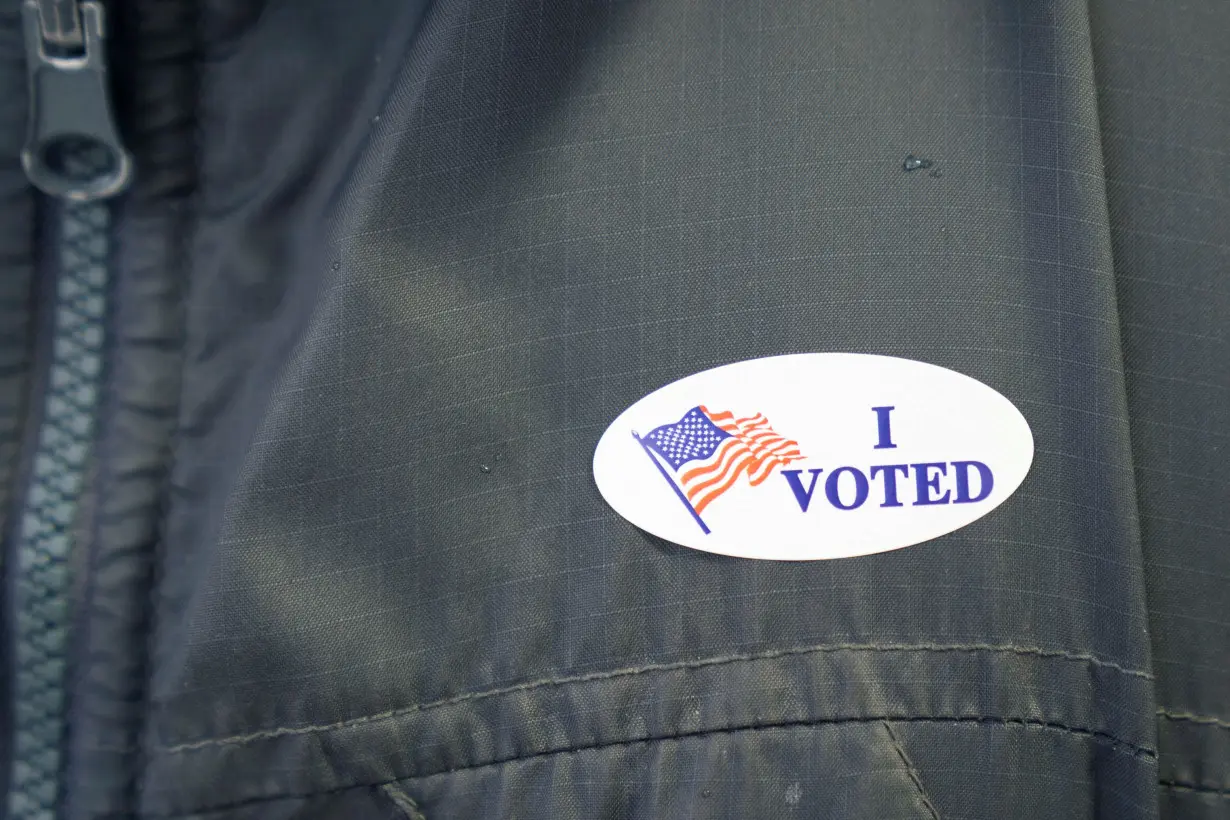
(296, 429)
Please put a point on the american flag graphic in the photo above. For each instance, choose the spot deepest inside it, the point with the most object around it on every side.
(709, 452)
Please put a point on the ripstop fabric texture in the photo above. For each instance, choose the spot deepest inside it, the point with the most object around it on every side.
(390, 271)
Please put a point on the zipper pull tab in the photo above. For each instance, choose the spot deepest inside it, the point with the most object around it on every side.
(73, 149)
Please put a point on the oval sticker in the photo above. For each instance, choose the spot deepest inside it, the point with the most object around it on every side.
(813, 456)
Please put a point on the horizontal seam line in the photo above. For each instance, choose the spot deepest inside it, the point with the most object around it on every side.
(1125, 747)
(1179, 785)
(269, 734)
(1188, 717)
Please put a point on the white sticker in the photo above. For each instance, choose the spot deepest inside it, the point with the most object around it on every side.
(813, 456)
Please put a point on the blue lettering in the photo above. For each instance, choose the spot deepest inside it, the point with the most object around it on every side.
(860, 488)
(986, 481)
(885, 428)
(890, 481)
(927, 478)
(796, 486)
(926, 483)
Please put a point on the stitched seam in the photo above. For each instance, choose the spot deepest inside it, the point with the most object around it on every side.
(1188, 717)
(912, 772)
(1179, 785)
(269, 734)
(1121, 746)
(403, 801)
(188, 286)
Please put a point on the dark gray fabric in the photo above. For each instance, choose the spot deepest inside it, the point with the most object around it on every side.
(156, 75)
(1164, 76)
(390, 270)
(16, 258)
(17, 237)
(563, 207)
(360, 804)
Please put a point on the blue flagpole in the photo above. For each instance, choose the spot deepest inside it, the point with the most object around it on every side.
(683, 499)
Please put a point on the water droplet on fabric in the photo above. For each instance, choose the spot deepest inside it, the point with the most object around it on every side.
(484, 468)
(913, 163)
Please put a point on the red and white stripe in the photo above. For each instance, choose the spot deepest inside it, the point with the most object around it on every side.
(754, 449)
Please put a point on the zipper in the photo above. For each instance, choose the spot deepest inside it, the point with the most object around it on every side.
(70, 103)
(72, 152)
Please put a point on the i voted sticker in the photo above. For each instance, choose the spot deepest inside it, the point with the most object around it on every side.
(813, 456)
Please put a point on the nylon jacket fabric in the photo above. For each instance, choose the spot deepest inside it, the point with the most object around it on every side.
(388, 272)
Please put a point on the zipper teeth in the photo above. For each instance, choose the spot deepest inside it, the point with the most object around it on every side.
(44, 583)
